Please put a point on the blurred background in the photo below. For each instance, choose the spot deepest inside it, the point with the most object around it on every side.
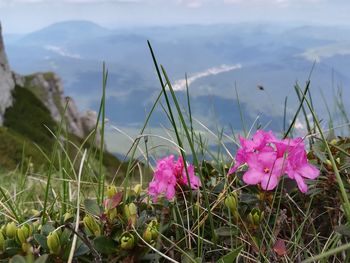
(259, 48)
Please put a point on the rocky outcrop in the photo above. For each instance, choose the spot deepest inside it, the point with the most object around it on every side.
(49, 89)
(7, 83)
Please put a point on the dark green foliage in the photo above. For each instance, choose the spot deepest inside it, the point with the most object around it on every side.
(11, 150)
(29, 117)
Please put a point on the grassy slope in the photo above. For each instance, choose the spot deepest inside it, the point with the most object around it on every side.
(27, 123)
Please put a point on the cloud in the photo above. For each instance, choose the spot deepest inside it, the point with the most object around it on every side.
(191, 3)
(61, 51)
(181, 83)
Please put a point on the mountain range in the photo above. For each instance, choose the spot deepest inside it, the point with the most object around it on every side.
(255, 63)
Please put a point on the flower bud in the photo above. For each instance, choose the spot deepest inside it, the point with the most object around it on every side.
(67, 216)
(3, 229)
(130, 212)
(23, 233)
(2, 242)
(112, 214)
(255, 217)
(36, 213)
(147, 235)
(231, 202)
(91, 224)
(333, 142)
(111, 191)
(151, 232)
(127, 241)
(11, 229)
(53, 242)
(138, 189)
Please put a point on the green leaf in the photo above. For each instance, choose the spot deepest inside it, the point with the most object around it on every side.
(18, 259)
(42, 259)
(81, 250)
(64, 238)
(92, 207)
(41, 240)
(105, 245)
(12, 248)
(231, 256)
(187, 258)
(46, 229)
(226, 231)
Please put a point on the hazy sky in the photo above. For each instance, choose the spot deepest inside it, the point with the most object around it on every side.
(19, 16)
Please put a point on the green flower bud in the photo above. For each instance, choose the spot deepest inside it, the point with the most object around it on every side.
(127, 241)
(2, 242)
(91, 224)
(130, 212)
(147, 235)
(21, 236)
(26, 248)
(111, 191)
(23, 233)
(67, 216)
(112, 213)
(138, 189)
(333, 142)
(231, 202)
(53, 242)
(3, 229)
(11, 229)
(36, 213)
(151, 232)
(255, 217)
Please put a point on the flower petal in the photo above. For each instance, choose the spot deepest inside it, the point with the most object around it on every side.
(308, 171)
(252, 176)
(301, 184)
(269, 182)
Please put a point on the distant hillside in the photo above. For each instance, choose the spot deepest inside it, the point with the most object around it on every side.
(32, 108)
(65, 32)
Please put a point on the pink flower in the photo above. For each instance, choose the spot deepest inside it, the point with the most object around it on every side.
(259, 142)
(181, 175)
(287, 146)
(268, 159)
(264, 169)
(298, 168)
(169, 173)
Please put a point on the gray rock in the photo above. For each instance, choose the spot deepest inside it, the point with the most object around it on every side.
(49, 89)
(7, 83)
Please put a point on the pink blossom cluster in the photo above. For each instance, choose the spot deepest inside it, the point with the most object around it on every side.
(168, 174)
(268, 159)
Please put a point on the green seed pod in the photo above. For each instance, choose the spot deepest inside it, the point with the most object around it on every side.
(91, 224)
(11, 229)
(111, 191)
(127, 241)
(53, 242)
(2, 242)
